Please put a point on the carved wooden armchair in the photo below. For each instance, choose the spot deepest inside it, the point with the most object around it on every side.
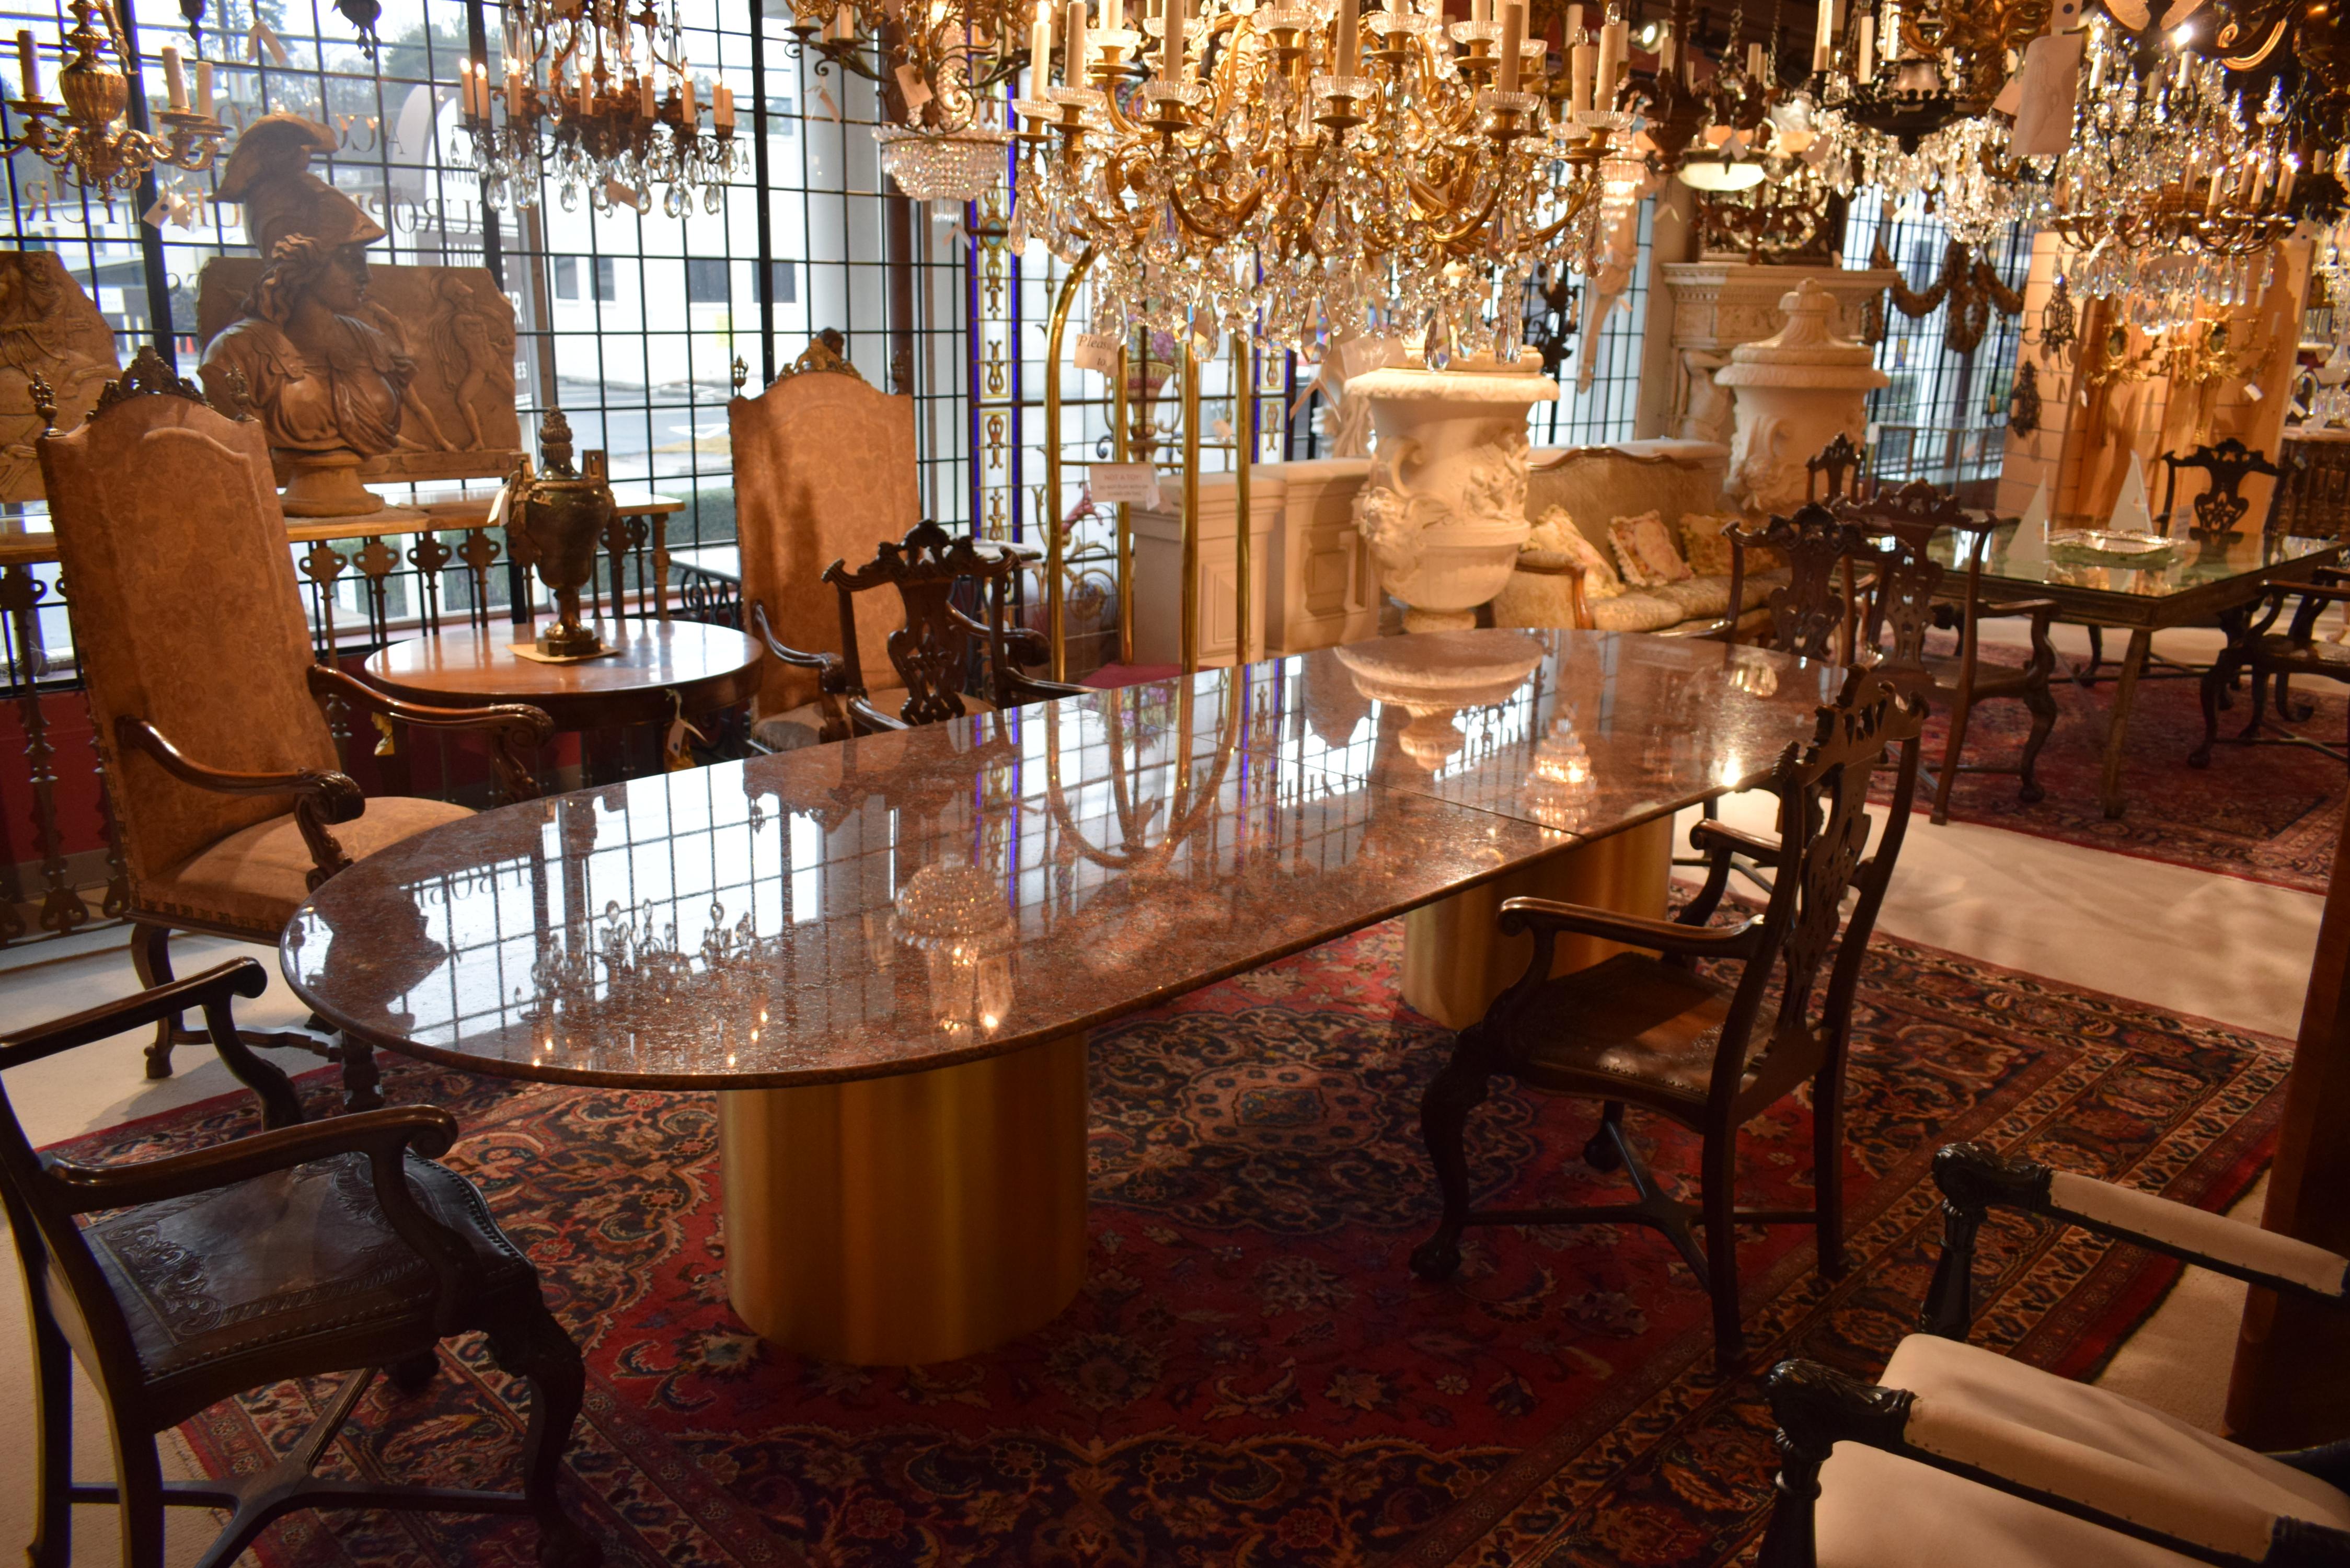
(1708, 1053)
(205, 703)
(1958, 1455)
(1811, 612)
(1907, 595)
(303, 1249)
(938, 647)
(2267, 655)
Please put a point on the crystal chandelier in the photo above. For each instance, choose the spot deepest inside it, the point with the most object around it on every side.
(86, 137)
(600, 99)
(2174, 194)
(1302, 171)
(938, 59)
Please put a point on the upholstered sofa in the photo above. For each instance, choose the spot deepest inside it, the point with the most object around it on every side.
(1594, 486)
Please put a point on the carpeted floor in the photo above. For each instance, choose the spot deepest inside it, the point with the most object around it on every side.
(1251, 1375)
(2270, 813)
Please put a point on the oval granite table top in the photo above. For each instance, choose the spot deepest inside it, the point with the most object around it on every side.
(905, 901)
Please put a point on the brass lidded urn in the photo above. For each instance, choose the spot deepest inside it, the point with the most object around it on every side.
(560, 515)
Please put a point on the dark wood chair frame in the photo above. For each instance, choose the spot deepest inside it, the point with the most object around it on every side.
(1817, 1407)
(2217, 511)
(1824, 826)
(935, 651)
(75, 1313)
(2267, 657)
(1907, 597)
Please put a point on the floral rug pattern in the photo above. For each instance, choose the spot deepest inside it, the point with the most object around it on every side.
(1251, 1375)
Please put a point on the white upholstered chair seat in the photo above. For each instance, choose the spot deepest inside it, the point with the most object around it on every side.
(1880, 1510)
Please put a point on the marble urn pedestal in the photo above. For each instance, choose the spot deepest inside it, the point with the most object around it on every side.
(1795, 391)
(1444, 508)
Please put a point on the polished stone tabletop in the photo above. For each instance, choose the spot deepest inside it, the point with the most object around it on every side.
(908, 900)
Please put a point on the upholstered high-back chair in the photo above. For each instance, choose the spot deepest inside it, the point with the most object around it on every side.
(1708, 1048)
(823, 471)
(204, 702)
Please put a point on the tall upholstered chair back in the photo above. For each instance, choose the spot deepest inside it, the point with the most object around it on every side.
(823, 471)
(185, 609)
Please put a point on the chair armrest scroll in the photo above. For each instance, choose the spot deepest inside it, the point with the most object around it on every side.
(333, 796)
(865, 719)
(1027, 688)
(1974, 1176)
(775, 649)
(378, 1133)
(1713, 837)
(514, 728)
(2038, 610)
(239, 977)
(1544, 915)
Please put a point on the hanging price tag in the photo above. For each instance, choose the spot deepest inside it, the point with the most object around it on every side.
(2048, 86)
(1097, 351)
(261, 38)
(1133, 483)
(1362, 354)
(915, 89)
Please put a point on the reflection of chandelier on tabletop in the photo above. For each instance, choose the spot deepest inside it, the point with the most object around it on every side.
(600, 97)
(960, 918)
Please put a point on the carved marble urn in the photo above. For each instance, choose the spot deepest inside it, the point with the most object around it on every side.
(1444, 509)
(1795, 391)
(560, 517)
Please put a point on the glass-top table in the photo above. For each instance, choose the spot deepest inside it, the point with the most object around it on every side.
(886, 952)
(2193, 581)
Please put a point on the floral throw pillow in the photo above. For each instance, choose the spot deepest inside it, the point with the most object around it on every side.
(1703, 544)
(1646, 550)
(1556, 535)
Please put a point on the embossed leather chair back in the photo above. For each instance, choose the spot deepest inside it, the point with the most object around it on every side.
(823, 471)
(184, 606)
(2221, 507)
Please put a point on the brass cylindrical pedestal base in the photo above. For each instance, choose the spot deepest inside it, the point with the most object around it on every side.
(1455, 959)
(893, 1221)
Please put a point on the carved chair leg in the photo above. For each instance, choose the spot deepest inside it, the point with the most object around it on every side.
(534, 1347)
(362, 1083)
(2286, 709)
(1444, 1110)
(2260, 704)
(52, 1544)
(1603, 1153)
(1950, 1298)
(1956, 745)
(413, 1374)
(139, 1499)
(2041, 702)
(1827, 1166)
(1790, 1539)
(150, 959)
(2213, 688)
(1719, 1205)
(2096, 650)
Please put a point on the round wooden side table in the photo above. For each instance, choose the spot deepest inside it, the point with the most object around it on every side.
(661, 671)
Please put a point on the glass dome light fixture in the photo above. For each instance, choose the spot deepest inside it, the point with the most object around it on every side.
(951, 166)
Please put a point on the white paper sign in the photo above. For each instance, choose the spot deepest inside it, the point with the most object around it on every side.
(1132, 482)
(1361, 355)
(2131, 513)
(2035, 516)
(2052, 81)
(1097, 351)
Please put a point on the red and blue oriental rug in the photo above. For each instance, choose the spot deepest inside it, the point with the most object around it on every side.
(1251, 1375)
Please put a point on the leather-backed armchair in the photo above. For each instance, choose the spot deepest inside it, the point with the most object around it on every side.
(303, 1249)
(220, 767)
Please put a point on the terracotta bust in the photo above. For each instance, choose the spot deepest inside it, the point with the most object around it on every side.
(326, 376)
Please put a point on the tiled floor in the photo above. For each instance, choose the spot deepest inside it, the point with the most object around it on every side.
(2233, 950)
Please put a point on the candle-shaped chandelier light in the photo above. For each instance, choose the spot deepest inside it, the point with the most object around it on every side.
(2174, 188)
(87, 137)
(1305, 169)
(600, 97)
